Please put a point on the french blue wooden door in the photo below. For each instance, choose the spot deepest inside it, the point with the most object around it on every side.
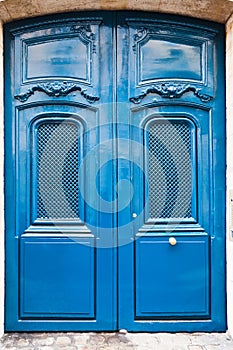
(115, 173)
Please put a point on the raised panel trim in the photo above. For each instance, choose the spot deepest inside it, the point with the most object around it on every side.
(37, 112)
(197, 309)
(193, 163)
(59, 57)
(34, 306)
(141, 30)
(34, 124)
(84, 29)
(86, 32)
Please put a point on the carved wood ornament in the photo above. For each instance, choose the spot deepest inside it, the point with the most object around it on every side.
(56, 89)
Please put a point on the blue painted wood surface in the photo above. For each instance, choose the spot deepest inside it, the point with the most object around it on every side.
(115, 143)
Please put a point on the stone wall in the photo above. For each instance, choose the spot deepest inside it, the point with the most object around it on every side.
(217, 10)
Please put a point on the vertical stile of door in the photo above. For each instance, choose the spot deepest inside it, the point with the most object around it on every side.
(125, 227)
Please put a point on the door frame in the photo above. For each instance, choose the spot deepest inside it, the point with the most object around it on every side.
(9, 186)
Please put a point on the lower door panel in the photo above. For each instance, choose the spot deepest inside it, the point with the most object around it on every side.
(172, 281)
(57, 278)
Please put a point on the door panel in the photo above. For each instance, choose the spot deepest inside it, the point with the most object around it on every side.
(166, 258)
(179, 290)
(115, 168)
(63, 281)
(50, 282)
(169, 59)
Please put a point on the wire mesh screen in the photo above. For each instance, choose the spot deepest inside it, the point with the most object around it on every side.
(57, 169)
(170, 170)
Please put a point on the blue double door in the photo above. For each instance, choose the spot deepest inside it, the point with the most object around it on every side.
(115, 173)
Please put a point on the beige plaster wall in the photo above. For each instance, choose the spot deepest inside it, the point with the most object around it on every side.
(1, 189)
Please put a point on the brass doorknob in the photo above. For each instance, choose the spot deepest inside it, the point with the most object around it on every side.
(134, 215)
(172, 241)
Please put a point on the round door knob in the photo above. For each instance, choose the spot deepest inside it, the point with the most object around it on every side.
(134, 215)
(172, 241)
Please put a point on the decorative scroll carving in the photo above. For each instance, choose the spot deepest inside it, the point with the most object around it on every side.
(86, 34)
(56, 89)
(171, 90)
(141, 33)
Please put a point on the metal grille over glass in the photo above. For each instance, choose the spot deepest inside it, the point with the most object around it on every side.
(58, 165)
(170, 169)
